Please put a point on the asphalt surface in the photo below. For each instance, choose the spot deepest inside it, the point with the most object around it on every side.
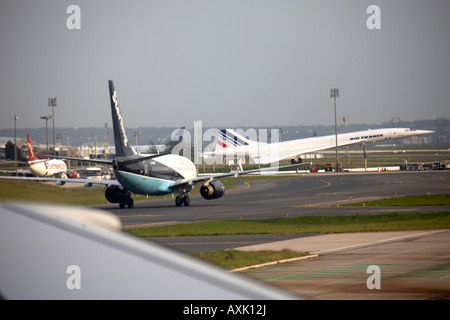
(308, 194)
(412, 266)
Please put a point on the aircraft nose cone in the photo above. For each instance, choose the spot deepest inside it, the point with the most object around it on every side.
(424, 131)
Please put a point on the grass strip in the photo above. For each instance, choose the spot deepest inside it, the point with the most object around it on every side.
(18, 190)
(233, 259)
(304, 224)
(418, 200)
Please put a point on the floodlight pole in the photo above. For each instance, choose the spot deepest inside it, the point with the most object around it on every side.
(335, 94)
(68, 151)
(46, 117)
(15, 142)
(137, 134)
(52, 103)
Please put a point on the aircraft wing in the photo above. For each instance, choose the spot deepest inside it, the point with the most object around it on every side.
(192, 181)
(83, 159)
(80, 253)
(138, 158)
(19, 171)
(61, 181)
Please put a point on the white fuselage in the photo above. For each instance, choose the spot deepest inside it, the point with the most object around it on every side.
(325, 142)
(184, 166)
(272, 152)
(47, 168)
(158, 175)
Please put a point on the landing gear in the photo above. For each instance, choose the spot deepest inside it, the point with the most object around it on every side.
(117, 194)
(365, 156)
(130, 203)
(182, 199)
(126, 201)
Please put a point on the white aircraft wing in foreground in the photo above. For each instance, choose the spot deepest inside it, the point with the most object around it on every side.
(73, 253)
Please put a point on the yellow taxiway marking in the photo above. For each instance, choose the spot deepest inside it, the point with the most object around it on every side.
(326, 185)
(200, 243)
(234, 189)
(335, 202)
(140, 215)
(333, 193)
(152, 224)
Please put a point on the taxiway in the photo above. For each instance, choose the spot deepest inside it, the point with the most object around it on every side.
(413, 266)
(306, 194)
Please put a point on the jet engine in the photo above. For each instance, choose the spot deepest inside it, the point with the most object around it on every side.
(212, 190)
(115, 194)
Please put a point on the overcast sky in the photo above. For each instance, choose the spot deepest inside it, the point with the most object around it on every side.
(225, 62)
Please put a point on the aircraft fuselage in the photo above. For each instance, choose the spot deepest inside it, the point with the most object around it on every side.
(155, 176)
(47, 168)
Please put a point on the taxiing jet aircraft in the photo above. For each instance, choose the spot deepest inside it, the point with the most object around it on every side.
(42, 167)
(153, 174)
(230, 143)
(45, 168)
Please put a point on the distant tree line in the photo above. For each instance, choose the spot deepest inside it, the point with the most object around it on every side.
(9, 152)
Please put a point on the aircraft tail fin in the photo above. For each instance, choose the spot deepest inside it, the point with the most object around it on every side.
(123, 147)
(31, 155)
(228, 138)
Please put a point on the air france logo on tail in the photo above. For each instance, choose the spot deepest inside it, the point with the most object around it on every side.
(227, 139)
(119, 116)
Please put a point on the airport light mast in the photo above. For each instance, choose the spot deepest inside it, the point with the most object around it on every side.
(52, 103)
(15, 142)
(136, 135)
(335, 94)
(46, 117)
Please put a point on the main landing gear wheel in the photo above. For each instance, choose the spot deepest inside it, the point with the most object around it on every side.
(179, 200)
(129, 202)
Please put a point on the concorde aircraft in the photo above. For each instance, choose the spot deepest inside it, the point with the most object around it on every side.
(231, 143)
